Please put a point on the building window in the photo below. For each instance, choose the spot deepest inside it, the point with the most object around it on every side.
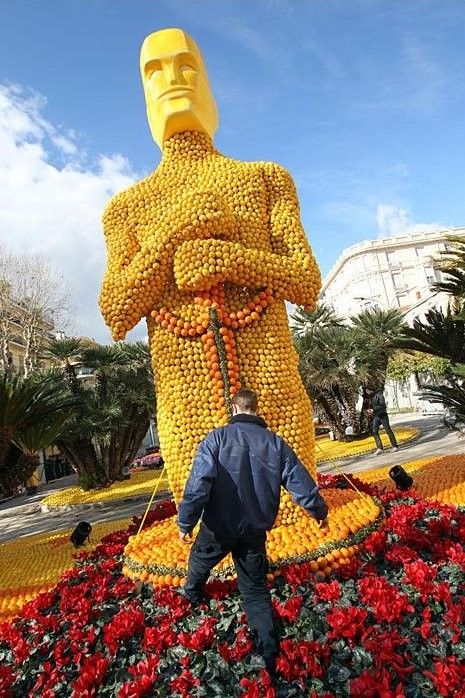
(430, 275)
(393, 258)
(398, 281)
(402, 300)
(420, 251)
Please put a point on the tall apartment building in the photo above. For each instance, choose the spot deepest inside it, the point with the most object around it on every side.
(394, 272)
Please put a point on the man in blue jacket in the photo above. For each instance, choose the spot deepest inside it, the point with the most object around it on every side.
(234, 486)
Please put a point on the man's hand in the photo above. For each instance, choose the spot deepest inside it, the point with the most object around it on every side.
(186, 537)
(323, 524)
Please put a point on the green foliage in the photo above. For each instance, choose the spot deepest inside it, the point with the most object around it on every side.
(338, 361)
(403, 365)
(452, 266)
(34, 412)
(113, 408)
(440, 334)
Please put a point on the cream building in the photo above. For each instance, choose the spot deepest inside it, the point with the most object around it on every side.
(394, 272)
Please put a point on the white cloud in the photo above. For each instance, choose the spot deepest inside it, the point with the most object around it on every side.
(55, 209)
(394, 220)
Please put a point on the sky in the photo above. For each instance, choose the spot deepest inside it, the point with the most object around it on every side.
(362, 101)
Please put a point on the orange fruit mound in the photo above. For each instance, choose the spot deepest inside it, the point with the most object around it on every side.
(157, 555)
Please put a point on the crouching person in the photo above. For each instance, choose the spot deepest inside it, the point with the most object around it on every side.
(234, 486)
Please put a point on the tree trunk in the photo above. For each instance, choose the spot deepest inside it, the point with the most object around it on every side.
(81, 453)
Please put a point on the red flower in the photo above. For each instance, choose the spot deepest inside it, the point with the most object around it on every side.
(420, 575)
(201, 638)
(346, 622)
(125, 624)
(456, 554)
(184, 682)
(145, 676)
(241, 648)
(177, 606)
(400, 554)
(388, 649)
(447, 677)
(300, 659)
(375, 542)
(370, 685)
(262, 688)
(386, 603)
(328, 591)
(290, 609)
(91, 675)
(159, 637)
(296, 575)
(7, 679)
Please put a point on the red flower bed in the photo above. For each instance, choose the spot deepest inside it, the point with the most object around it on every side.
(390, 624)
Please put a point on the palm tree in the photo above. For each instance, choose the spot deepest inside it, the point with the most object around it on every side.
(375, 336)
(440, 334)
(67, 352)
(452, 267)
(34, 412)
(304, 321)
(326, 367)
(113, 412)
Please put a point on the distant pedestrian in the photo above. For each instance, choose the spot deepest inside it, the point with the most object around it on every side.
(378, 411)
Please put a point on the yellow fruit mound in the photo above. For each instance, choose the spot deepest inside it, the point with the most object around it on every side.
(159, 556)
(139, 484)
(333, 450)
(33, 564)
(439, 479)
(208, 249)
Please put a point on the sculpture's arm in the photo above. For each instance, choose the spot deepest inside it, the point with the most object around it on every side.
(137, 273)
(289, 269)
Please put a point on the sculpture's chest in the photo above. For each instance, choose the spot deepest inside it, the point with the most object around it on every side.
(243, 191)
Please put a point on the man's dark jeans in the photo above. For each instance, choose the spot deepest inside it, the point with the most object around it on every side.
(383, 419)
(249, 556)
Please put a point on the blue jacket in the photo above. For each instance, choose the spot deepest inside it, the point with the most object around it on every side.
(236, 478)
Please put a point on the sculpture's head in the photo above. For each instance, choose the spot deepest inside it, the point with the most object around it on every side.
(176, 87)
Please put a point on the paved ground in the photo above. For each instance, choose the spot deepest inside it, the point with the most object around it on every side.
(22, 516)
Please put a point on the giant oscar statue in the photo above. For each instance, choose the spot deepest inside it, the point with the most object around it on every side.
(208, 248)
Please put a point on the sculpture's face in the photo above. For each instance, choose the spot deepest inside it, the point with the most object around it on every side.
(176, 87)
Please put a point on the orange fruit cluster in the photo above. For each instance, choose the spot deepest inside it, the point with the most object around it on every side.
(159, 556)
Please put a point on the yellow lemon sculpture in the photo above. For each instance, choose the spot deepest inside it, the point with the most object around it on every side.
(208, 249)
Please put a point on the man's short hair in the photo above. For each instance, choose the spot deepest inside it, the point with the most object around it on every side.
(246, 400)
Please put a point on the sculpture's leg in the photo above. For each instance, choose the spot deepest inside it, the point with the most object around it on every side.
(269, 365)
(187, 401)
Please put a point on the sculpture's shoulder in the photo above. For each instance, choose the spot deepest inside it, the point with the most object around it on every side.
(270, 172)
(274, 172)
(128, 200)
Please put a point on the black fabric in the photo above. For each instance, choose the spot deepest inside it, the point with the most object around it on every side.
(378, 404)
(249, 556)
(383, 419)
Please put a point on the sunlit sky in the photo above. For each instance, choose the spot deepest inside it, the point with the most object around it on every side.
(362, 101)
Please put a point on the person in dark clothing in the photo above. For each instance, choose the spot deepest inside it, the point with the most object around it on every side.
(234, 486)
(379, 413)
